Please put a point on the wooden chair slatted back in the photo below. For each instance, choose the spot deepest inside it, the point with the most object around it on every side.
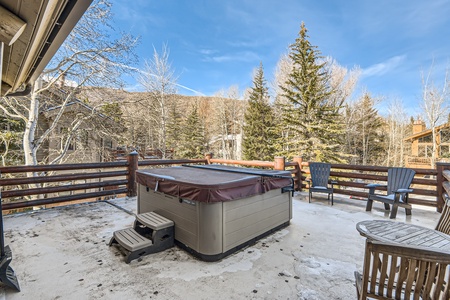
(400, 272)
(399, 178)
(443, 224)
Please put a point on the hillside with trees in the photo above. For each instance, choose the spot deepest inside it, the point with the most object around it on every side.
(311, 108)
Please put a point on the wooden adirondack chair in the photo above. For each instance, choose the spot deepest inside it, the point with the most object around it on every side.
(393, 271)
(443, 224)
(399, 180)
(320, 175)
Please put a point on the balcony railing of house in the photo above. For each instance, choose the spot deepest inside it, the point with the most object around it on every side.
(422, 162)
(64, 184)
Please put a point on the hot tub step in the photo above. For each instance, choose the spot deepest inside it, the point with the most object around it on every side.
(131, 240)
(153, 220)
(151, 233)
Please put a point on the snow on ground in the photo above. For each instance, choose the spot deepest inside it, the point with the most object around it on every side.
(63, 253)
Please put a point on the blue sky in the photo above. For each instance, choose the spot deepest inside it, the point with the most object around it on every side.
(216, 44)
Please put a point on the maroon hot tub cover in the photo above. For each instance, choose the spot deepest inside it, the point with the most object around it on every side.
(213, 183)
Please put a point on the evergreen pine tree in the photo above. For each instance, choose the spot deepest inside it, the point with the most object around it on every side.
(173, 126)
(259, 124)
(11, 141)
(313, 127)
(192, 144)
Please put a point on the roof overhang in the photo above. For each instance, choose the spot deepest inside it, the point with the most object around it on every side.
(426, 132)
(28, 50)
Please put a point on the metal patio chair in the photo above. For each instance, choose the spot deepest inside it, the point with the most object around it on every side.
(319, 181)
(393, 271)
(399, 180)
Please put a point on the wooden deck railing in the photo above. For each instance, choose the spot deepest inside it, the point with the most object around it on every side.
(351, 179)
(95, 181)
(73, 182)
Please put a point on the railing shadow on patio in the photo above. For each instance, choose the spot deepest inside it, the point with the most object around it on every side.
(53, 185)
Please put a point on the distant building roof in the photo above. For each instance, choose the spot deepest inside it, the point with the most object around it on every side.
(425, 132)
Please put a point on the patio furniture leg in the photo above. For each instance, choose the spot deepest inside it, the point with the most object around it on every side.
(310, 197)
(408, 211)
(369, 205)
(386, 206)
(394, 211)
(332, 198)
(358, 283)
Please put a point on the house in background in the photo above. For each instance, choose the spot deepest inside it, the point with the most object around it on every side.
(93, 141)
(422, 145)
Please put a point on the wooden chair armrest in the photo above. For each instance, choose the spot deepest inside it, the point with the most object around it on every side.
(401, 195)
(403, 191)
(374, 185)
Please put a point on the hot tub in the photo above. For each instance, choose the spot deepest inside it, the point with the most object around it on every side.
(217, 209)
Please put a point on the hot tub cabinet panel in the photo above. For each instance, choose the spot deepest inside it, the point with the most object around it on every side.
(249, 218)
(212, 230)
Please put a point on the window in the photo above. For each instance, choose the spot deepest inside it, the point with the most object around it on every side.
(426, 139)
(445, 136)
(444, 151)
(82, 139)
(108, 143)
(64, 134)
(425, 150)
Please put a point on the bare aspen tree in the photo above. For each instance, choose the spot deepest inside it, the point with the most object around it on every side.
(222, 124)
(282, 71)
(363, 134)
(236, 111)
(435, 106)
(396, 131)
(226, 131)
(342, 80)
(159, 80)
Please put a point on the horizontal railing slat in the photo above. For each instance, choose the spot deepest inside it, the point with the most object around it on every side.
(61, 199)
(252, 163)
(59, 178)
(65, 188)
(63, 167)
(158, 162)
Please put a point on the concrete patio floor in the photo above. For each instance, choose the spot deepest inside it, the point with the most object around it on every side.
(62, 253)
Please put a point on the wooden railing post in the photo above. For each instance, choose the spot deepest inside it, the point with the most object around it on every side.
(299, 160)
(132, 168)
(440, 167)
(279, 163)
(208, 157)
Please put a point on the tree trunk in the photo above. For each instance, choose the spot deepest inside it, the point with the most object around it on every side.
(29, 146)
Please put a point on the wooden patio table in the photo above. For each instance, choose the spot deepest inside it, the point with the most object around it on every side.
(404, 234)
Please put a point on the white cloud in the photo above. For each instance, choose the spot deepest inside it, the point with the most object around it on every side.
(246, 56)
(383, 67)
(207, 51)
